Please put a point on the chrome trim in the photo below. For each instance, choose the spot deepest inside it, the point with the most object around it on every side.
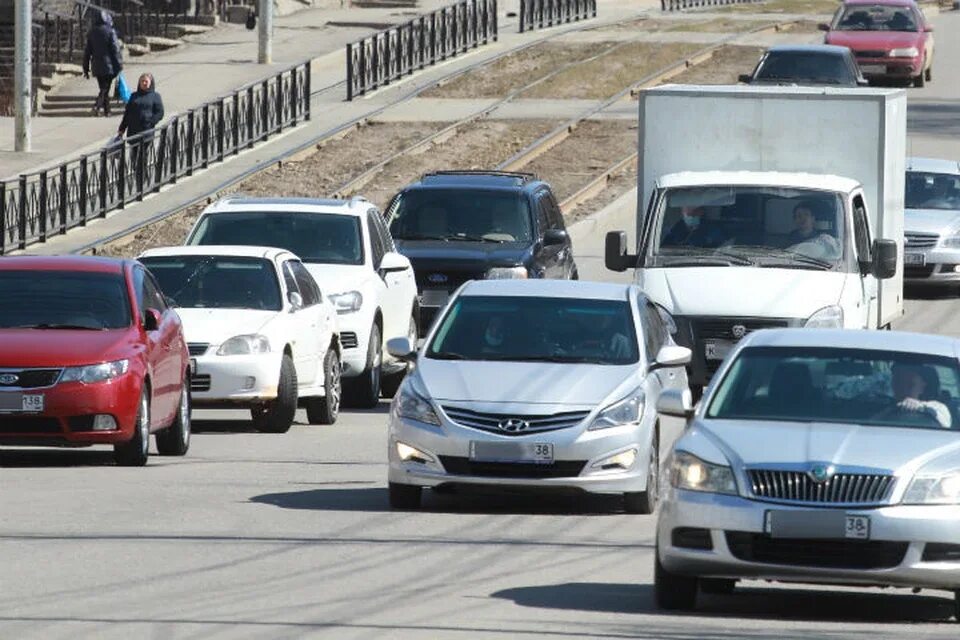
(799, 487)
(491, 422)
(55, 382)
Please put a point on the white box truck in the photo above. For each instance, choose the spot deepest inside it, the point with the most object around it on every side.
(767, 207)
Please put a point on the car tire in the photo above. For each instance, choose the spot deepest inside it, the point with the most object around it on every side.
(920, 81)
(134, 453)
(645, 502)
(277, 415)
(405, 496)
(672, 591)
(575, 275)
(326, 409)
(928, 74)
(364, 391)
(175, 439)
(391, 383)
(718, 586)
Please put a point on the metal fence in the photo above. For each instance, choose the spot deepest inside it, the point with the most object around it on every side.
(680, 5)
(539, 14)
(390, 54)
(36, 206)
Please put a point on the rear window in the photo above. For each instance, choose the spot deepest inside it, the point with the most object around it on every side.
(814, 68)
(63, 299)
(476, 215)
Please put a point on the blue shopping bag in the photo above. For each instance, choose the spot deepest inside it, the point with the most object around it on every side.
(123, 91)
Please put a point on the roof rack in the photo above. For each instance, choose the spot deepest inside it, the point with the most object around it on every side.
(524, 175)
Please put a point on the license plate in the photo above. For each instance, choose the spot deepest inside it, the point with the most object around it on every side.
(21, 402)
(717, 349)
(434, 297)
(816, 524)
(873, 68)
(529, 452)
(914, 259)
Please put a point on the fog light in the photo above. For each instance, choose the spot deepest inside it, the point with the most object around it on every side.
(956, 268)
(249, 383)
(412, 454)
(104, 423)
(622, 460)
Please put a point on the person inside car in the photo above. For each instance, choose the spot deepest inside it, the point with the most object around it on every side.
(693, 230)
(805, 231)
(913, 389)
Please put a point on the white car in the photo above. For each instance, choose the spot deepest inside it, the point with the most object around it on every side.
(542, 384)
(259, 332)
(349, 251)
(931, 224)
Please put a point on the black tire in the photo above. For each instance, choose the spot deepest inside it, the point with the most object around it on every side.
(135, 452)
(928, 74)
(277, 415)
(175, 439)
(718, 586)
(575, 275)
(672, 591)
(389, 385)
(364, 391)
(405, 496)
(326, 409)
(920, 81)
(645, 502)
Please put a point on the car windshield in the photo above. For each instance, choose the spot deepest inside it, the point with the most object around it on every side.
(534, 329)
(803, 67)
(876, 17)
(852, 386)
(63, 300)
(217, 282)
(761, 226)
(314, 237)
(461, 214)
(932, 190)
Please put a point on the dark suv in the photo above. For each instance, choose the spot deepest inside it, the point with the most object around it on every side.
(456, 226)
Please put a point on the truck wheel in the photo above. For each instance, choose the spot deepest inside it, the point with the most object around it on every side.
(391, 383)
(672, 591)
(364, 390)
(277, 415)
(326, 409)
(645, 502)
(404, 496)
(175, 439)
(134, 453)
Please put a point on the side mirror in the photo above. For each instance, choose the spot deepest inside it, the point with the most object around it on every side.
(553, 237)
(151, 320)
(744, 78)
(928, 28)
(296, 300)
(401, 349)
(674, 402)
(671, 355)
(823, 26)
(884, 258)
(393, 262)
(616, 257)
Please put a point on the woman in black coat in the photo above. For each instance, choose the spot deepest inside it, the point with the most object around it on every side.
(144, 108)
(102, 53)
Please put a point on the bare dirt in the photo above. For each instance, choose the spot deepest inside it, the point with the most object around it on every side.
(784, 6)
(723, 68)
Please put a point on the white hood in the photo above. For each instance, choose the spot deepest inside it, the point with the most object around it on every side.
(337, 278)
(522, 382)
(931, 221)
(213, 326)
(742, 291)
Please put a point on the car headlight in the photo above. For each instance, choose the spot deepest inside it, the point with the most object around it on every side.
(507, 273)
(952, 242)
(244, 345)
(934, 489)
(687, 471)
(411, 403)
(827, 318)
(347, 302)
(621, 412)
(95, 372)
(906, 52)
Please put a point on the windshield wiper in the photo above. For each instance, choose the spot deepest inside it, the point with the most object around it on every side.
(705, 253)
(53, 325)
(446, 355)
(464, 237)
(793, 256)
(423, 236)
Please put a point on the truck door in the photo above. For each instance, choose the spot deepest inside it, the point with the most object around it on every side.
(863, 242)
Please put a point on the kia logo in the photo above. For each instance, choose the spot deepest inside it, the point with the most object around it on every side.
(437, 278)
(513, 425)
(738, 331)
(9, 378)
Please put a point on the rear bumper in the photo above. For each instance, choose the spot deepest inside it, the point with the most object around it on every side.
(891, 68)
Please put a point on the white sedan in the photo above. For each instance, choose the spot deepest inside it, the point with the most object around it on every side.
(259, 331)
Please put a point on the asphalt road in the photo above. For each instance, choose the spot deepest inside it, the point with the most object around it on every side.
(290, 536)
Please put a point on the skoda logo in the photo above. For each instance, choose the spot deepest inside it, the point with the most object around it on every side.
(8, 378)
(820, 473)
(513, 425)
(437, 278)
(738, 331)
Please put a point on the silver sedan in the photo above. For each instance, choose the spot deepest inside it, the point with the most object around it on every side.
(816, 456)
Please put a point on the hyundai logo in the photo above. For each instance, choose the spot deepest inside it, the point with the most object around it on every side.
(9, 378)
(437, 278)
(820, 473)
(513, 425)
(738, 331)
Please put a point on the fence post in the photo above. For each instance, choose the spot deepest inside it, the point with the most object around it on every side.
(42, 217)
(279, 89)
(141, 168)
(174, 149)
(236, 122)
(122, 183)
(63, 198)
(265, 133)
(22, 215)
(306, 91)
(3, 217)
(191, 141)
(103, 183)
(83, 191)
(496, 27)
(251, 114)
(159, 159)
(205, 135)
(294, 98)
(433, 37)
(220, 129)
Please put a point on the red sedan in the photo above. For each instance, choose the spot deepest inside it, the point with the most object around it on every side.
(891, 39)
(90, 353)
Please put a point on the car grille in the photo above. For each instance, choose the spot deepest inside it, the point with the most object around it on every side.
(348, 340)
(31, 378)
(427, 278)
(920, 240)
(200, 382)
(912, 271)
(722, 328)
(465, 467)
(832, 554)
(797, 486)
(535, 423)
(29, 424)
(198, 348)
(870, 53)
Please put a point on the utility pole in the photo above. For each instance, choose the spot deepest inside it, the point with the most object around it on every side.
(266, 31)
(22, 75)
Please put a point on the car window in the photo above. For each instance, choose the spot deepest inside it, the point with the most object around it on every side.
(216, 282)
(305, 282)
(376, 241)
(877, 17)
(803, 67)
(554, 216)
(148, 295)
(289, 280)
(929, 190)
(385, 237)
(654, 331)
(63, 299)
(861, 230)
(153, 294)
(543, 212)
(481, 215)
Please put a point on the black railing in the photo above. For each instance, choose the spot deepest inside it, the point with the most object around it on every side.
(539, 14)
(36, 206)
(680, 5)
(390, 54)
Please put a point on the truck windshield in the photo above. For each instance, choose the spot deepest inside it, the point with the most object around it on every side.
(759, 226)
(932, 191)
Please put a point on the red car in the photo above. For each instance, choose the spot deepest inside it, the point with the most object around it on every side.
(90, 353)
(891, 39)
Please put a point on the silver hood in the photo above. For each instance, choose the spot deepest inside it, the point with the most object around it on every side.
(939, 221)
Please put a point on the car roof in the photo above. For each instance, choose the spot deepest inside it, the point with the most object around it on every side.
(355, 206)
(757, 179)
(87, 264)
(934, 165)
(898, 3)
(828, 49)
(238, 251)
(486, 180)
(581, 289)
(902, 341)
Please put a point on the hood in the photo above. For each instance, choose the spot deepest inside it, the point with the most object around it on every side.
(522, 382)
(938, 221)
(338, 278)
(875, 40)
(55, 347)
(463, 256)
(742, 291)
(213, 326)
(887, 449)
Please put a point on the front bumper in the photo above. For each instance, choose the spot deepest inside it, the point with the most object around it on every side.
(354, 340)
(235, 380)
(939, 267)
(891, 68)
(731, 520)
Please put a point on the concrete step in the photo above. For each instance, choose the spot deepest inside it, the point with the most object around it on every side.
(85, 112)
(155, 43)
(180, 30)
(86, 103)
(71, 97)
(137, 50)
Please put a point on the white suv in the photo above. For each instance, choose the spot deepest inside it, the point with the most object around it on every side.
(349, 251)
